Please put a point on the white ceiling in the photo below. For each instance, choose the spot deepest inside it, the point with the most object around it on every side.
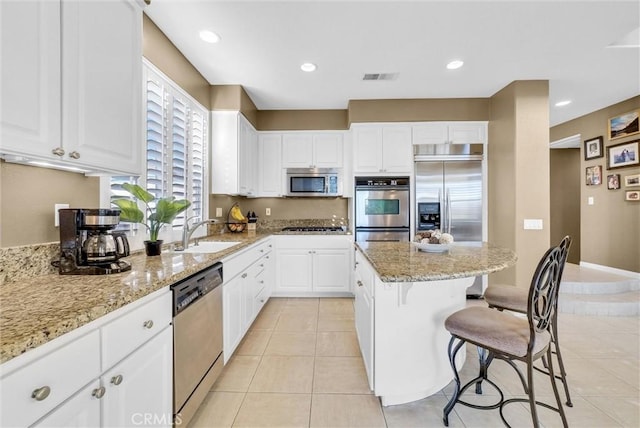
(265, 42)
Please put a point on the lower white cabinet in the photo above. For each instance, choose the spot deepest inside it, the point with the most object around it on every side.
(312, 265)
(139, 390)
(364, 313)
(66, 382)
(245, 293)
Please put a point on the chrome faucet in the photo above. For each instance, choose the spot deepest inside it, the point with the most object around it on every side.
(188, 231)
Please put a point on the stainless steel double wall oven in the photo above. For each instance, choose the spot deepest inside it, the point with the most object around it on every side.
(382, 209)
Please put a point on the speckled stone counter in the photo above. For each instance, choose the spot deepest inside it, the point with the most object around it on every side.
(36, 310)
(403, 262)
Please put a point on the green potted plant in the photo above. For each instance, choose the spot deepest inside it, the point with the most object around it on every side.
(166, 210)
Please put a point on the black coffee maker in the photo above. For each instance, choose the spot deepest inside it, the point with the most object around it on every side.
(87, 244)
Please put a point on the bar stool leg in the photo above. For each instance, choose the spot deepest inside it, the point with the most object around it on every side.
(563, 373)
(453, 351)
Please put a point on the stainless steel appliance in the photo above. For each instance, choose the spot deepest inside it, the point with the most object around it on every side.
(197, 340)
(323, 182)
(88, 246)
(382, 209)
(448, 183)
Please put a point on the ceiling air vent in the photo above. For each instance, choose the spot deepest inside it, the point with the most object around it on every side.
(380, 76)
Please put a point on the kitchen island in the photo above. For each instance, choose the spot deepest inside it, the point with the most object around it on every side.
(403, 296)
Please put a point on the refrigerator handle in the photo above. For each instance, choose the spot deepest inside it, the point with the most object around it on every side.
(448, 211)
(443, 212)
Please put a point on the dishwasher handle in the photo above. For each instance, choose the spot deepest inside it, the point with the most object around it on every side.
(190, 290)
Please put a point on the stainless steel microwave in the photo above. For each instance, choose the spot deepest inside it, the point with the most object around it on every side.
(318, 182)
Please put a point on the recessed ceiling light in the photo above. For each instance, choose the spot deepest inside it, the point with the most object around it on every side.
(563, 103)
(209, 36)
(455, 64)
(308, 67)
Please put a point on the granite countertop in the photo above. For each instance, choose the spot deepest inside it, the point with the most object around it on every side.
(36, 310)
(403, 262)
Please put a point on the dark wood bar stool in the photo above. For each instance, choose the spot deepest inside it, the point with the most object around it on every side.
(511, 298)
(510, 338)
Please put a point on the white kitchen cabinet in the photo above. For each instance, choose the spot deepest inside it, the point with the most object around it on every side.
(64, 381)
(450, 132)
(312, 150)
(312, 265)
(364, 313)
(141, 386)
(382, 149)
(80, 77)
(270, 165)
(234, 145)
(80, 411)
(30, 77)
(250, 274)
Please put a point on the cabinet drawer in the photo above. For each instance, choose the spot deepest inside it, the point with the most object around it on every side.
(125, 334)
(236, 264)
(63, 371)
(261, 300)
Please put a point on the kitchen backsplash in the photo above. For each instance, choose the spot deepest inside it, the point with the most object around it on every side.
(27, 261)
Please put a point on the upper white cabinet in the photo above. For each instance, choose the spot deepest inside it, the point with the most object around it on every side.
(312, 150)
(72, 91)
(30, 77)
(382, 149)
(234, 148)
(450, 132)
(270, 165)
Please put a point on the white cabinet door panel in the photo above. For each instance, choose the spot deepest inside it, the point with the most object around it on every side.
(81, 411)
(232, 294)
(327, 150)
(397, 153)
(331, 270)
(294, 269)
(270, 165)
(297, 151)
(368, 149)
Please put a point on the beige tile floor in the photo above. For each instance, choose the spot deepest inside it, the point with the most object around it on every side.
(300, 366)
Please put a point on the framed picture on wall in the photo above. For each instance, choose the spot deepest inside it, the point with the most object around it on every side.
(624, 125)
(613, 181)
(632, 180)
(594, 175)
(621, 155)
(593, 148)
(632, 195)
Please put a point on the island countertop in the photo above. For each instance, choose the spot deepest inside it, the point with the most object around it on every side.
(403, 262)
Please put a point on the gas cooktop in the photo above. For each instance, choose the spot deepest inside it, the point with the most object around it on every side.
(313, 229)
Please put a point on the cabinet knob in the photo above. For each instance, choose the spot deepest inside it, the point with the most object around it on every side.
(74, 155)
(116, 380)
(99, 392)
(261, 300)
(244, 275)
(261, 281)
(58, 151)
(262, 250)
(148, 324)
(360, 284)
(41, 393)
(262, 265)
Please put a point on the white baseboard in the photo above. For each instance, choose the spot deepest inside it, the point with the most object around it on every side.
(621, 272)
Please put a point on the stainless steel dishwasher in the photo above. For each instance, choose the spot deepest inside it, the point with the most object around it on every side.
(197, 340)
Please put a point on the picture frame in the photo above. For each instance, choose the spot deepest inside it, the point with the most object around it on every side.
(613, 181)
(624, 125)
(623, 155)
(632, 180)
(594, 175)
(632, 195)
(593, 148)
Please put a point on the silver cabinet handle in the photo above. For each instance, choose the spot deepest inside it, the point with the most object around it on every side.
(99, 392)
(116, 380)
(262, 265)
(74, 155)
(148, 324)
(244, 275)
(360, 284)
(41, 393)
(58, 151)
(261, 281)
(262, 250)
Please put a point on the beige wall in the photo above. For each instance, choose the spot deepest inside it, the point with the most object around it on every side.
(518, 157)
(234, 97)
(158, 49)
(28, 197)
(610, 228)
(565, 198)
(413, 110)
(293, 120)
(283, 208)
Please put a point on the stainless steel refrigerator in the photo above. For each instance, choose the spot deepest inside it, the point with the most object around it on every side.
(449, 197)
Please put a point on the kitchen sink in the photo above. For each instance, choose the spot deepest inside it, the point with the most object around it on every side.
(210, 247)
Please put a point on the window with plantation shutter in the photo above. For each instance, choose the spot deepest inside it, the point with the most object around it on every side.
(176, 136)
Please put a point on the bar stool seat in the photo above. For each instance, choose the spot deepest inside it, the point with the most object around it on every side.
(507, 297)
